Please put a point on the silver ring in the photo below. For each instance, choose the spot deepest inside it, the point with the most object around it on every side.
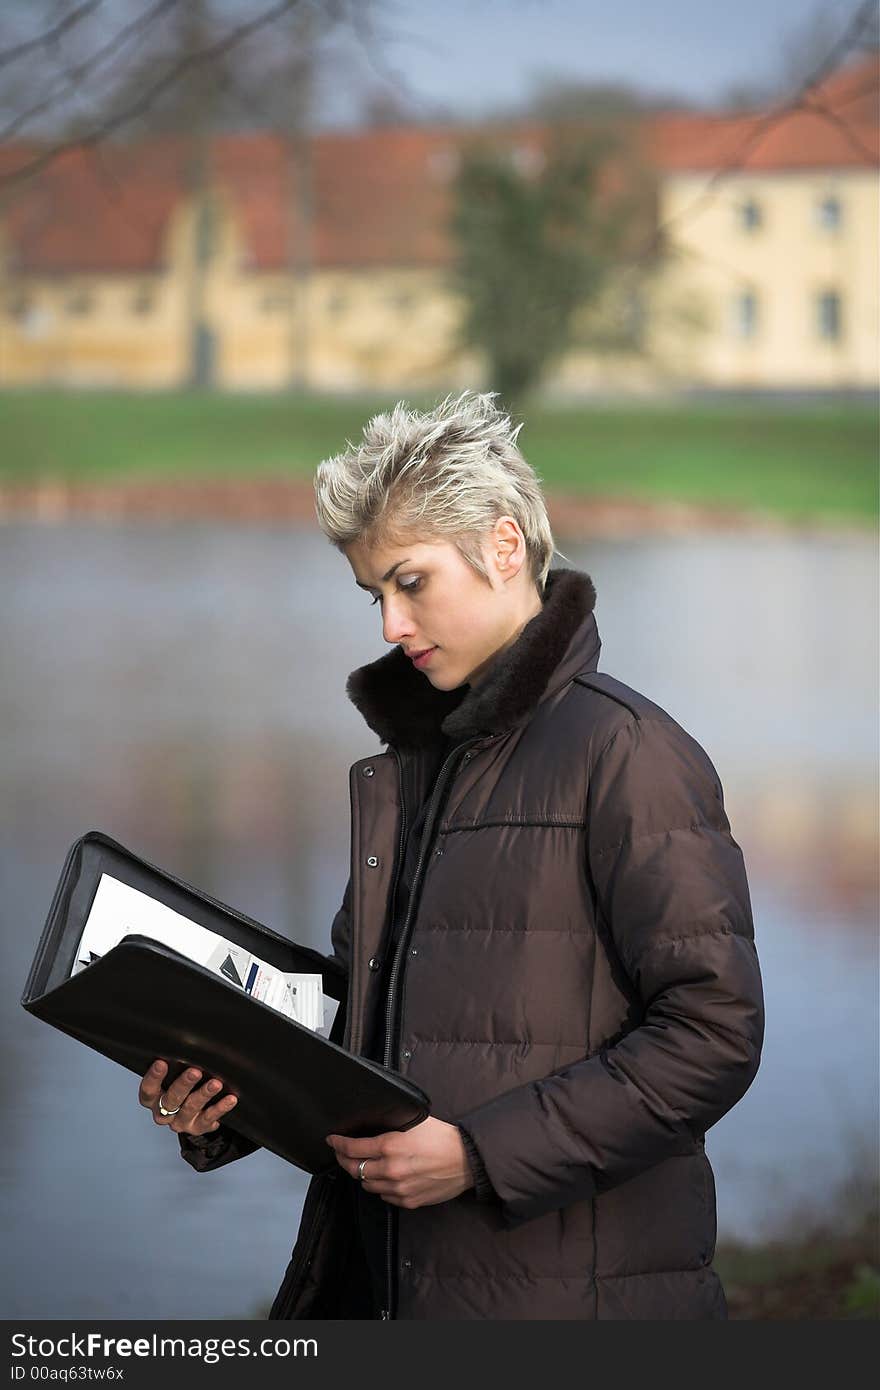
(163, 1111)
(361, 1168)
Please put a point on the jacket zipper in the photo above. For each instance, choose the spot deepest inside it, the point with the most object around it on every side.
(385, 1313)
(389, 1058)
(401, 842)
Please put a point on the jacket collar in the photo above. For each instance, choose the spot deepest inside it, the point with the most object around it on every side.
(404, 709)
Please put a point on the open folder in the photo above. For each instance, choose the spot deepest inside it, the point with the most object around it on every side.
(226, 998)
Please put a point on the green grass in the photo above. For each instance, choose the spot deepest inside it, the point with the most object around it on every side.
(820, 1274)
(798, 460)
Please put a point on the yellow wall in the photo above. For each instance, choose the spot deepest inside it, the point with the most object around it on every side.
(360, 328)
(111, 345)
(337, 329)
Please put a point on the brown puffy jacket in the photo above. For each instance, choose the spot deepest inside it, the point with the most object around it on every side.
(577, 986)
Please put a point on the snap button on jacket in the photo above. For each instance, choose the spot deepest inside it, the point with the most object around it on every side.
(585, 1000)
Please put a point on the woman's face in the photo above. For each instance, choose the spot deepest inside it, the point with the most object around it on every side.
(432, 601)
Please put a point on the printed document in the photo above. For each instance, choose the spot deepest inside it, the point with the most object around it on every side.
(119, 911)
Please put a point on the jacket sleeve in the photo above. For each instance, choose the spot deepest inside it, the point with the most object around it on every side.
(672, 905)
(206, 1152)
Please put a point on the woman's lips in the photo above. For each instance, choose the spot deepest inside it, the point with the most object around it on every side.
(423, 660)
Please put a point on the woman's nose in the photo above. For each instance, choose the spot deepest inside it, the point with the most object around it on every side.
(396, 623)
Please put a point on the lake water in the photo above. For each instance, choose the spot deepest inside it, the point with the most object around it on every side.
(181, 687)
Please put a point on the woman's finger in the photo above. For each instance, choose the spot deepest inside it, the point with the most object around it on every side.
(205, 1120)
(193, 1105)
(223, 1107)
(373, 1170)
(176, 1094)
(199, 1098)
(151, 1083)
(179, 1092)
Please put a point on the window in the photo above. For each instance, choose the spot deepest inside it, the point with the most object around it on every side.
(828, 315)
(80, 303)
(401, 300)
(274, 302)
(829, 213)
(33, 320)
(749, 215)
(143, 301)
(745, 315)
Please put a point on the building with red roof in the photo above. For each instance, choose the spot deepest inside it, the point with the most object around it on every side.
(329, 263)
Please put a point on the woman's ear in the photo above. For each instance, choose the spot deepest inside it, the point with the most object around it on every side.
(508, 546)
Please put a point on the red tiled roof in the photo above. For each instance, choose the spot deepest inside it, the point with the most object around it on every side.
(91, 210)
(836, 127)
(378, 197)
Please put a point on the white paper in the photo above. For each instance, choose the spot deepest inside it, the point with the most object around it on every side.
(119, 910)
(330, 1006)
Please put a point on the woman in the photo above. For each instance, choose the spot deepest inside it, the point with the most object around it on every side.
(546, 927)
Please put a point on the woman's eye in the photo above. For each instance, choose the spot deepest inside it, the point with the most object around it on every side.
(404, 588)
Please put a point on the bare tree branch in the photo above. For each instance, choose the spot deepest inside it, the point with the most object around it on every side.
(88, 66)
(850, 39)
(809, 103)
(137, 108)
(861, 24)
(49, 36)
(865, 89)
(367, 34)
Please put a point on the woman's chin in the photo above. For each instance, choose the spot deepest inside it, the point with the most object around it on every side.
(441, 681)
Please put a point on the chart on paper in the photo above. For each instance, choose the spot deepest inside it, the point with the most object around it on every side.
(118, 910)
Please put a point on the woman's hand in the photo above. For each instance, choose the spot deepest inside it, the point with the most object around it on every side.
(195, 1115)
(414, 1168)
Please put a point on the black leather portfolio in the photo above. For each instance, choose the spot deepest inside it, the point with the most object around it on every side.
(144, 1000)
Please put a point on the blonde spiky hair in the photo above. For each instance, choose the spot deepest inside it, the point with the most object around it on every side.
(449, 472)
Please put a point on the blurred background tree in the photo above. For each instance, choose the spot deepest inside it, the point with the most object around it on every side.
(540, 230)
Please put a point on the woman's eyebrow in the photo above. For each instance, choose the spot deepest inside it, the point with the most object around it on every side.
(384, 576)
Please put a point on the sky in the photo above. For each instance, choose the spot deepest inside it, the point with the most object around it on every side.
(435, 60)
(470, 56)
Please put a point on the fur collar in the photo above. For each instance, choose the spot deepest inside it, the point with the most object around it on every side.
(403, 708)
